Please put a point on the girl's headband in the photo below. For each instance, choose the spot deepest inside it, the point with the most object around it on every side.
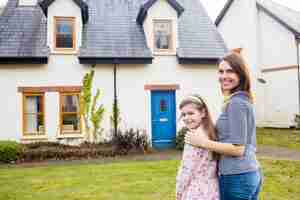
(198, 99)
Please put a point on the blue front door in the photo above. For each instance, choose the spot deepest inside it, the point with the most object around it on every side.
(163, 116)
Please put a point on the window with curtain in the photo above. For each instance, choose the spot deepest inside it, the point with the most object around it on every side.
(64, 33)
(70, 113)
(33, 114)
(162, 35)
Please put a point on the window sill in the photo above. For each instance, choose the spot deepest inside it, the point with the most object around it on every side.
(164, 53)
(70, 135)
(64, 52)
(40, 137)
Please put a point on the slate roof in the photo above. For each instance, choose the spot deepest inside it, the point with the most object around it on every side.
(82, 5)
(284, 15)
(145, 7)
(111, 33)
(117, 34)
(23, 32)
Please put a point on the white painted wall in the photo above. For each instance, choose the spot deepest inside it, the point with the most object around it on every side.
(134, 101)
(278, 48)
(281, 100)
(160, 10)
(63, 8)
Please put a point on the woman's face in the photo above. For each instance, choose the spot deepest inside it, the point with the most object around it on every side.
(228, 78)
(191, 116)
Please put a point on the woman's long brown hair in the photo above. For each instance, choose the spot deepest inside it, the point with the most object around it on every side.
(237, 63)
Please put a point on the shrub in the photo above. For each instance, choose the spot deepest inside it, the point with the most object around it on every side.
(9, 151)
(130, 140)
(55, 151)
(180, 138)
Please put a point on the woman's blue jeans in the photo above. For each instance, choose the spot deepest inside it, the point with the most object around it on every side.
(245, 186)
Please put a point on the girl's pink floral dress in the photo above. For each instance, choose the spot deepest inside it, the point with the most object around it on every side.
(197, 176)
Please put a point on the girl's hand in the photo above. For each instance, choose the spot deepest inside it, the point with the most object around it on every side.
(196, 138)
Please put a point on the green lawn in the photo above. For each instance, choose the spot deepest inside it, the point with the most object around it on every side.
(142, 180)
(288, 138)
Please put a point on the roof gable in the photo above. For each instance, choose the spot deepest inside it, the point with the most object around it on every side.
(146, 6)
(44, 4)
(223, 12)
(285, 16)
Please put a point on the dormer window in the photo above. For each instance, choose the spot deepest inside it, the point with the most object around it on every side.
(163, 38)
(64, 36)
(27, 2)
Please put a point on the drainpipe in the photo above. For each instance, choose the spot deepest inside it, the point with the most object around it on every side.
(115, 100)
(298, 67)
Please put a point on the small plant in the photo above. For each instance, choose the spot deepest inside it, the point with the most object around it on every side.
(115, 118)
(297, 120)
(180, 138)
(91, 114)
(131, 140)
(9, 151)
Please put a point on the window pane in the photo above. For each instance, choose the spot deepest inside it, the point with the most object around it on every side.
(34, 104)
(70, 103)
(162, 35)
(163, 105)
(70, 122)
(34, 124)
(64, 33)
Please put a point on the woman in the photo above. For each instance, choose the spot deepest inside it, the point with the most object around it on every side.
(239, 173)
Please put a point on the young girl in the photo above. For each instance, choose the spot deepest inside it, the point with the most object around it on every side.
(197, 176)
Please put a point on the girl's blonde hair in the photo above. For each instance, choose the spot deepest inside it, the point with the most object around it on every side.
(201, 106)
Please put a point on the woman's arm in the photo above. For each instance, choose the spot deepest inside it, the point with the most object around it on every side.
(199, 139)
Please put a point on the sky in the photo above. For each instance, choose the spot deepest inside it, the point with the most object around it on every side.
(213, 7)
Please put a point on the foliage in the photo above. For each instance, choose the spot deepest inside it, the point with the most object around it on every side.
(56, 151)
(131, 140)
(297, 120)
(115, 117)
(91, 112)
(9, 151)
(180, 138)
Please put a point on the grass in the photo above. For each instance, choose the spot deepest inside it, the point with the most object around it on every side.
(142, 180)
(287, 138)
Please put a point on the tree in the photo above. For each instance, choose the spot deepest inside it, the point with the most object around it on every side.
(115, 118)
(91, 111)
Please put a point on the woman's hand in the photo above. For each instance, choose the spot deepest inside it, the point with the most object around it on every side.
(197, 138)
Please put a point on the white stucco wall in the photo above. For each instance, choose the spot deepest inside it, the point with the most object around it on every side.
(64, 8)
(238, 29)
(133, 99)
(278, 46)
(160, 10)
(278, 49)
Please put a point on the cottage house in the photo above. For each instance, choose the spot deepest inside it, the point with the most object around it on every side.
(147, 54)
(268, 35)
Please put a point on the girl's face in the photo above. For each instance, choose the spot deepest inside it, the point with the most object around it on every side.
(228, 78)
(191, 116)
